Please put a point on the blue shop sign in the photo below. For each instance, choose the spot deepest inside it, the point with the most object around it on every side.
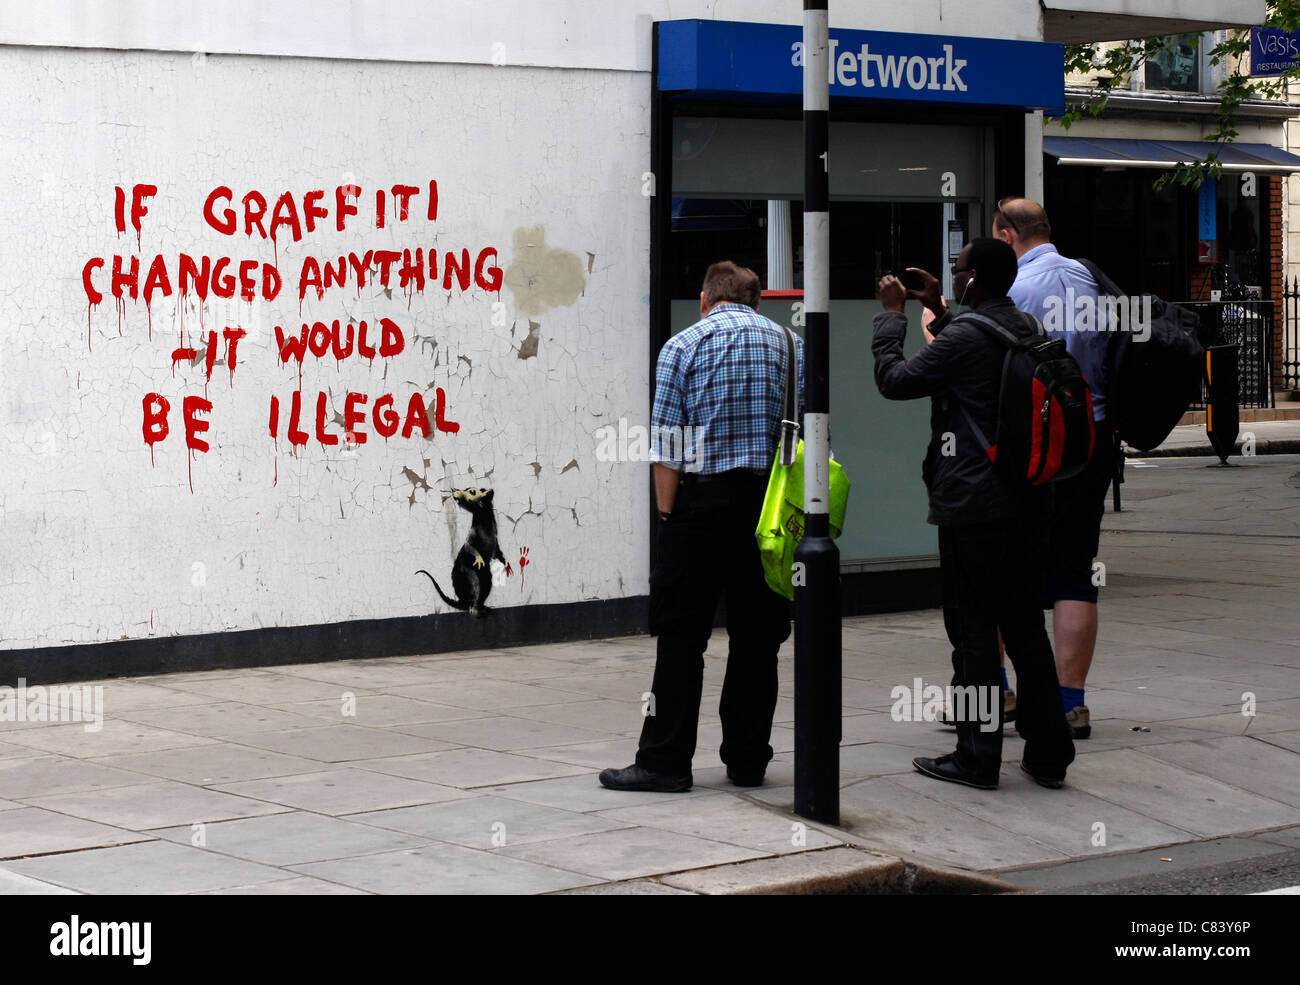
(730, 59)
(1273, 51)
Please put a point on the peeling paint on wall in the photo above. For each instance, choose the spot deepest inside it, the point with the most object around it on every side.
(542, 277)
(528, 347)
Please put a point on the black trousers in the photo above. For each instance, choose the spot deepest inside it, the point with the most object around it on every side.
(707, 551)
(992, 579)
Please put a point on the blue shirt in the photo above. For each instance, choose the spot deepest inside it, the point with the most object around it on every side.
(719, 387)
(1061, 294)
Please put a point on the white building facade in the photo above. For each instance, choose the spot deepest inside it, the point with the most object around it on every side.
(279, 278)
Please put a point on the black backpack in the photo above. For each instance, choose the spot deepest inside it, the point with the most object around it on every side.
(1149, 384)
(1045, 430)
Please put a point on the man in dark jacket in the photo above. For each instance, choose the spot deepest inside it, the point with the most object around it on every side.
(992, 534)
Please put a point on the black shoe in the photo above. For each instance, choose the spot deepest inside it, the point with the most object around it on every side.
(745, 778)
(1051, 782)
(945, 768)
(639, 778)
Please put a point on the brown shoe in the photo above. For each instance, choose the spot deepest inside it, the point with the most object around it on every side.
(1079, 722)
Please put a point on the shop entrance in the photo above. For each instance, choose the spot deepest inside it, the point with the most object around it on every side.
(901, 195)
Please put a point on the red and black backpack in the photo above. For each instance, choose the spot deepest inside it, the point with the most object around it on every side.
(1045, 430)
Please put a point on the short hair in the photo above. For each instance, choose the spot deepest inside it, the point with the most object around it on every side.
(995, 263)
(1024, 217)
(727, 281)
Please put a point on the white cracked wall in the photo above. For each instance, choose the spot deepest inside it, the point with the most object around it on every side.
(103, 538)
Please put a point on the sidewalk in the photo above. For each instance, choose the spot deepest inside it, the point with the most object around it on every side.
(475, 772)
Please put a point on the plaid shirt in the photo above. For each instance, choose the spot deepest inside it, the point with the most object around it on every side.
(723, 378)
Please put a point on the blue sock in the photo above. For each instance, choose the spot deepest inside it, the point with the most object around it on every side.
(1072, 697)
(1005, 685)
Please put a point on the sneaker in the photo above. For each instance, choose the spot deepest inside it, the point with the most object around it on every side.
(946, 768)
(1008, 710)
(636, 777)
(1079, 722)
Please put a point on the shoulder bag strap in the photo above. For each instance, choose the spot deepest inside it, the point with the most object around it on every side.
(789, 440)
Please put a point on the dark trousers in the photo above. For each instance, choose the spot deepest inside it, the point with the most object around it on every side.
(992, 578)
(707, 551)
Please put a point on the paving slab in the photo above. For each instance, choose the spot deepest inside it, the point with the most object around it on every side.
(264, 688)
(33, 831)
(340, 790)
(219, 719)
(1250, 763)
(13, 884)
(883, 815)
(1177, 796)
(725, 818)
(208, 765)
(115, 737)
(44, 775)
(471, 768)
(488, 822)
(629, 853)
(1070, 820)
(343, 743)
(149, 868)
(445, 869)
(154, 805)
(483, 695)
(379, 711)
(506, 733)
(292, 838)
(583, 792)
(619, 717)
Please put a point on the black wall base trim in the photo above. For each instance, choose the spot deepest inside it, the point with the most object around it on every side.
(360, 638)
(867, 592)
(863, 593)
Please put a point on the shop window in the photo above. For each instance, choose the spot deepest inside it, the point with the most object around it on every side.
(1177, 66)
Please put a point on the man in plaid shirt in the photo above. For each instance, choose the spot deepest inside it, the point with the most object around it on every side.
(719, 390)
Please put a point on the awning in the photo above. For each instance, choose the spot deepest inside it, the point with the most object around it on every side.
(1116, 152)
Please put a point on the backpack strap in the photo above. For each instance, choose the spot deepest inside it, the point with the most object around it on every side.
(1010, 338)
(788, 445)
(1104, 283)
(1012, 341)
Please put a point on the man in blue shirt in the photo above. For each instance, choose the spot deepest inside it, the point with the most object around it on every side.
(719, 389)
(1063, 296)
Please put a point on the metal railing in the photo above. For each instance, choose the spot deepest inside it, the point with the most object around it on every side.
(1289, 371)
(1249, 326)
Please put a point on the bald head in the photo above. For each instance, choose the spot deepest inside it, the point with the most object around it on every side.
(1022, 223)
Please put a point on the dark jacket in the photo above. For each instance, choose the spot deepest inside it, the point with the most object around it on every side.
(963, 364)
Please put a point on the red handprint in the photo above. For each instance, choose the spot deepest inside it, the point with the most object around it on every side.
(523, 563)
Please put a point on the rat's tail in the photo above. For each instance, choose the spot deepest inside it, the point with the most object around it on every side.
(451, 602)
